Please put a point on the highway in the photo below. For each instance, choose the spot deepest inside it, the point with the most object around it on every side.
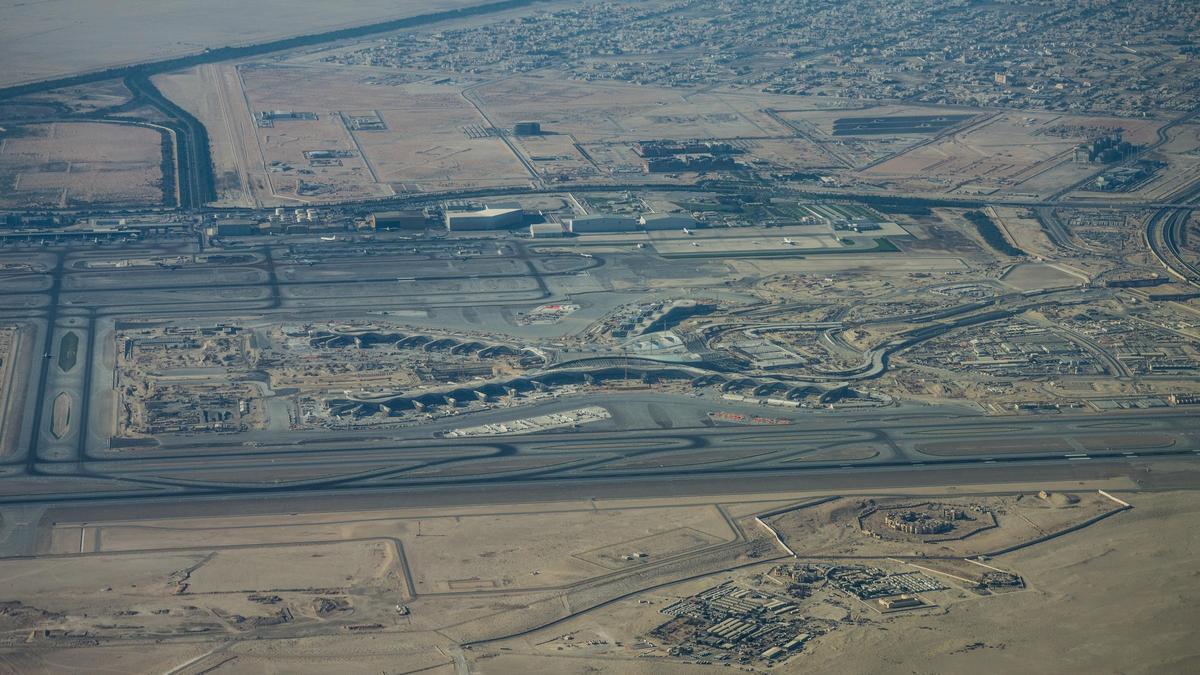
(1057, 231)
(193, 158)
(1164, 235)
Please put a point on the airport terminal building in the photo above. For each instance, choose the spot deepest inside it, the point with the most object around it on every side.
(602, 222)
(486, 219)
(546, 230)
(667, 221)
(413, 219)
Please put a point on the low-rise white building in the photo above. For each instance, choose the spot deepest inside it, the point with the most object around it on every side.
(487, 219)
(546, 230)
(668, 221)
(602, 222)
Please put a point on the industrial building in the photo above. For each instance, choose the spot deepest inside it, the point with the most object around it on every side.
(602, 222)
(667, 221)
(267, 118)
(412, 219)
(901, 602)
(546, 230)
(527, 128)
(234, 227)
(665, 148)
(487, 219)
(673, 163)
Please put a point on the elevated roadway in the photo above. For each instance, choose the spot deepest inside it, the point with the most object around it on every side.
(1164, 234)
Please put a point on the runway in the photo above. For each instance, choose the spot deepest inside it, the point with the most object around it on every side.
(654, 438)
(728, 454)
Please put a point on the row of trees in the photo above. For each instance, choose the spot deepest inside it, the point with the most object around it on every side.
(991, 234)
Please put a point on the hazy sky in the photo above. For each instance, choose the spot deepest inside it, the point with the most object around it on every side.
(48, 38)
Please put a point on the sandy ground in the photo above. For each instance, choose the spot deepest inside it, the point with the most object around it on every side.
(1183, 165)
(595, 112)
(313, 593)
(204, 92)
(1118, 597)
(1012, 153)
(65, 164)
(426, 144)
(423, 144)
(15, 345)
(832, 529)
(1024, 230)
(1032, 276)
(51, 38)
(447, 554)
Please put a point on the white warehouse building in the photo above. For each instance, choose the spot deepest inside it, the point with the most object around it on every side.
(546, 230)
(602, 222)
(487, 219)
(668, 221)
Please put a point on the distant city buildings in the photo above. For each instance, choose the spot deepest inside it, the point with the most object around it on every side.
(1072, 57)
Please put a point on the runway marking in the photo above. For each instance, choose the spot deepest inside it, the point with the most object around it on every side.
(1078, 458)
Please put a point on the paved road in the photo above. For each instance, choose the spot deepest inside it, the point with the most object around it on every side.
(1164, 235)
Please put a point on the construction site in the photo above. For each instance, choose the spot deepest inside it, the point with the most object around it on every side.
(645, 338)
